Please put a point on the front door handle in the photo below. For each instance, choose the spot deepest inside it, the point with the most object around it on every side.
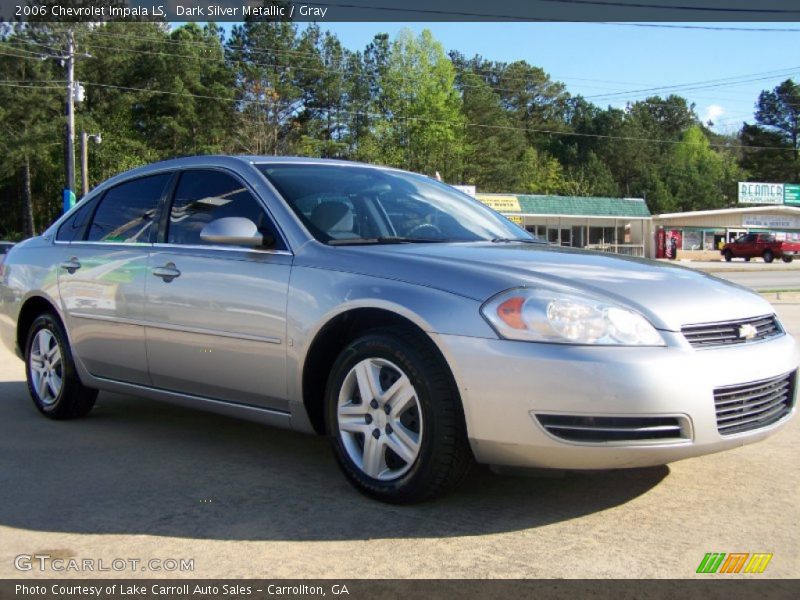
(71, 265)
(168, 272)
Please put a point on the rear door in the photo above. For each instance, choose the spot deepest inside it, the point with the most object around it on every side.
(101, 279)
(217, 314)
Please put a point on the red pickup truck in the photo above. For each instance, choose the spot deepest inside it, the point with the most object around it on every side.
(764, 245)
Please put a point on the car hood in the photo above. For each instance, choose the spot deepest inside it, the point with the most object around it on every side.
(670, 296)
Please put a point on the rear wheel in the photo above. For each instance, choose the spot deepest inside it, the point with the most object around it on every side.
(768, 256)
(747, 259)
(394, 419)
(728, 255)
(53, 382)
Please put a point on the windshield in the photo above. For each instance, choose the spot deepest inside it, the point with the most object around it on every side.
(352, 205)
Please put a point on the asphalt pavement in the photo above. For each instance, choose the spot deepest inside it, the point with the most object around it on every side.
(755, 274)
(142, 480)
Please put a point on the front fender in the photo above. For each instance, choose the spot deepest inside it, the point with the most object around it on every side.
(316, 296)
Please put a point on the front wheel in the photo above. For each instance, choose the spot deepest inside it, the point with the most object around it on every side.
(728, 255)
(787, 259)
(53, 382)
(394, 418)
(768, 256)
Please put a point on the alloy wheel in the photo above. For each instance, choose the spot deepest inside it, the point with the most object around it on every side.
(46, 367)
(380, 419)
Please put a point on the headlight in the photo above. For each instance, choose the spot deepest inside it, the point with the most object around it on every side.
(567, 318)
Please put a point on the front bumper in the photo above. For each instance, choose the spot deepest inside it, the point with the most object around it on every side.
(503, 384)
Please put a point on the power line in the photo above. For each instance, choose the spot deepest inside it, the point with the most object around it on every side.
(684, 87)
(26, 56)
(704, 27)
(698, 85)
(497, 74)
(729, 81)
(429, 120)
(477, 15)
(713, 9)
(31, 87)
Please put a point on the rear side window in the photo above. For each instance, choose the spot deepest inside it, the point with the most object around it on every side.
(203, 196)
(127, 213)
(73, 228)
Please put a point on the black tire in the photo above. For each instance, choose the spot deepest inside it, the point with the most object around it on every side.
(444, 456)
(72, 399)
(787, 259)
(768, 256)
(728, 255)
(747, 259)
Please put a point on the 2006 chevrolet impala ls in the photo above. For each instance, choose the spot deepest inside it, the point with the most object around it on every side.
(415, 327)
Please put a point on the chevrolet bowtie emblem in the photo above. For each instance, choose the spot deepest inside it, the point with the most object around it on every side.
(747, 331)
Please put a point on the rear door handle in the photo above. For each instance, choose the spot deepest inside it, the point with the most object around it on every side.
(71, 265)
(168, 272)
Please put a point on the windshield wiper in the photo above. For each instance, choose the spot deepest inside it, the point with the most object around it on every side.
(500, 240)
(384, 240)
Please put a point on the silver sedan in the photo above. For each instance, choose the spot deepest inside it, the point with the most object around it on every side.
(416, 328)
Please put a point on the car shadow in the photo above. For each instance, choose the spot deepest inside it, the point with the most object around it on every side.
(135, 466)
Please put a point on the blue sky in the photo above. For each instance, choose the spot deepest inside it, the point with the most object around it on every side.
(596, 58)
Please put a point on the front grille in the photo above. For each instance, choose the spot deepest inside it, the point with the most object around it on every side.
(613, 429)
(730, 332)
(753, 405)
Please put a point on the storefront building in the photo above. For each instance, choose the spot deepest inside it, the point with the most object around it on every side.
(700, 234)
(620, 225)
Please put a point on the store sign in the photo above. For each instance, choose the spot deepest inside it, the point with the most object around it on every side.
(515, 219)
(760, 193)
(501, 204)
(770, 222)
(466, 189)
(791, 194)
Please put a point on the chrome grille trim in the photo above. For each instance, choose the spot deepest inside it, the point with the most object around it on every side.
(600, 430)
(708, 335)
(753, 405)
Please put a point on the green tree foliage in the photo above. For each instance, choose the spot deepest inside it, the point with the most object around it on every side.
(276, 87)
(421, 125)
(699, 176)
(778, 125)
(31, 131)
(493, 146)
(540, 173)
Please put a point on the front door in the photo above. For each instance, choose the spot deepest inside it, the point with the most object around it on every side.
(216, 315)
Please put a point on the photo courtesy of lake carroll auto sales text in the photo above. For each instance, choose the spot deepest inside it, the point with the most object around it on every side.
(324, 299)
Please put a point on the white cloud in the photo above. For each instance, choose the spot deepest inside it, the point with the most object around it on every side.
(713, 112)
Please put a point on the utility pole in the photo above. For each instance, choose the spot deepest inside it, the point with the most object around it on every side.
(69, 185)
(74, 94)
(96, 138)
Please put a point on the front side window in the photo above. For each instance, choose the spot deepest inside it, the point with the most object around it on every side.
(353, 204)
(203, 196)
(127, 212)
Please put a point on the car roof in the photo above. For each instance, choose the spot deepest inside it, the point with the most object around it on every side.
(221, 160)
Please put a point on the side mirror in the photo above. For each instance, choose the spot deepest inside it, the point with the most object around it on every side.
(234, 231)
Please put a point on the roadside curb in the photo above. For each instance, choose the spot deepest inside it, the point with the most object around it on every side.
(735, 270)
(781, 296)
